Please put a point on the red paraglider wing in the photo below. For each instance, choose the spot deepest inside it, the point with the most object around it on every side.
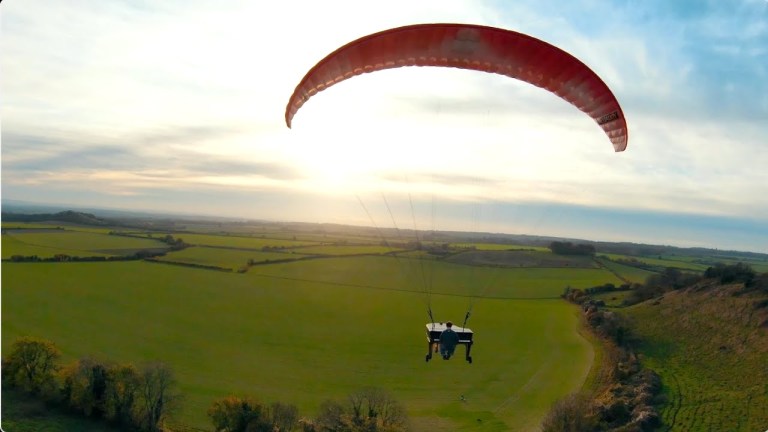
(465, 46)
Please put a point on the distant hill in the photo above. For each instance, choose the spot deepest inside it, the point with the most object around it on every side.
(709, 343)
(159, 220)
(68, 216)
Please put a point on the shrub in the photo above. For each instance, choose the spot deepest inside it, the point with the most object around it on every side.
(368, 410)
(738, 272)
(573, 413)
(246, 414)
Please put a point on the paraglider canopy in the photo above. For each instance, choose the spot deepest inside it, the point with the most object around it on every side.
(474, 47)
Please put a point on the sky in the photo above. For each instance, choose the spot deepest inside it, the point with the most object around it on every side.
(178, 106)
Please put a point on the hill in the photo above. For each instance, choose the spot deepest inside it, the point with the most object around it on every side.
(68, 216)
(709, 344)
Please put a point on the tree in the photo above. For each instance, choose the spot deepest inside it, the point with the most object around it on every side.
(31, 365)
(121, 394)
(374, 406)
(738, 272)
(155, 395)
(330, 416)
(236, 414)
(284, 417)
(85, 385)
(246, 414)
(568, 248)
(369, 410)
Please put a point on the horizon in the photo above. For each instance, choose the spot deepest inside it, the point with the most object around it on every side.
(179, 106)
(191, 217)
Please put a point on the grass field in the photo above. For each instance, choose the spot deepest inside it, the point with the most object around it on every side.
(661, 262)
(499, 247)
(306, 331)
(233, 259)
(523, 258)
(346, 250)
(631, 274)
(712, 356)
(390, 273)
(47, 243)
(759, 264)
(238, 241)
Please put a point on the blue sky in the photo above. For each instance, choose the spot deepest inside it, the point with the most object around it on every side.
(178, 106)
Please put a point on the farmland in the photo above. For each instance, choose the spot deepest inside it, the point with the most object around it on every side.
(299, 318)
(299, 341)
(226, 258)
(241, 242)
(305, 331)
(73, 242)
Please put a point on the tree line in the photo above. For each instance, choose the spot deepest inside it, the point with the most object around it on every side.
(673, 279)
(143, 398)
(135, 398)
(568, 248)
(630, 394)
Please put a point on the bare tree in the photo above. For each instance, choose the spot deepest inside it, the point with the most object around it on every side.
(330, 416)
(375, 409)
(573, 413)
(284, 417)
(156, 395)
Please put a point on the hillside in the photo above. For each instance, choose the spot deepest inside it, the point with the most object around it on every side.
(68, 216)
(709, 343)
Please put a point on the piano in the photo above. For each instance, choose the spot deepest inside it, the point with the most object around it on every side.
(466, 338)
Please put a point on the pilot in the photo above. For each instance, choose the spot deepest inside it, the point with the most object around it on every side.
(448, 341)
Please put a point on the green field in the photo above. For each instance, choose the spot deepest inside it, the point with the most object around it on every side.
(47, 243)
(238, 241)
(499, 246)
(712, 356)
(661, 262)
(30, 225)
(306, 331)
(522, 258)
(629, 273)
(345, 314)
(233, 259)
(346, 250)
(390, 273)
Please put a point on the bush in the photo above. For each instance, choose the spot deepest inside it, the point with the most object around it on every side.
(245, 414)
(284, 417)
(738, 272)
(368, 410)
(573, 413)
(234, 414)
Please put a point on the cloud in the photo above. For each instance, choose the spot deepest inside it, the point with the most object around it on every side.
(146, 103)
